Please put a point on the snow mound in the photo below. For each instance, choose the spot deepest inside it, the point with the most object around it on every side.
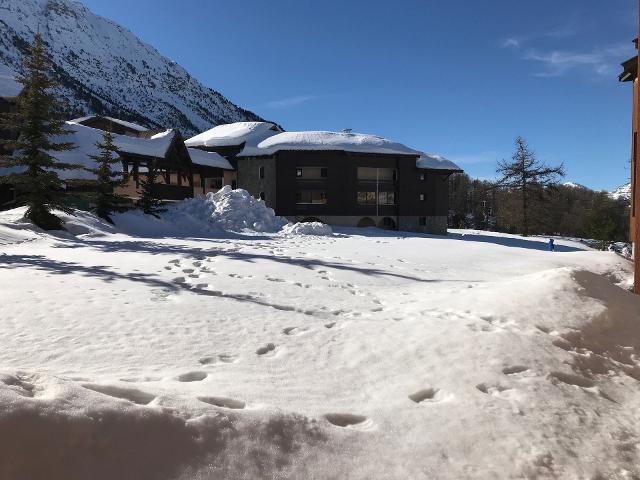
(308, 228)
(226, 210)
(237, 210)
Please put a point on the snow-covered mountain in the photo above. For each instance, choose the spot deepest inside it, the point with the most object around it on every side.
(105, 69)
(574, 185)
(622, 193)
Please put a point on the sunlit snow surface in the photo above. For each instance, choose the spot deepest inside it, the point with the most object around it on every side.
(361, 355)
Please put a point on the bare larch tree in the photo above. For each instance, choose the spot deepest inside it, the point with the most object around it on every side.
(525, 172)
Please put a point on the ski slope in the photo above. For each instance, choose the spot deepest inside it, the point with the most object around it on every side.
(361, 354)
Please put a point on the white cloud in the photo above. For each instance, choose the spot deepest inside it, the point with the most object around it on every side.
(290, 101)
(511, 43)
(599, 61)
(476, 158)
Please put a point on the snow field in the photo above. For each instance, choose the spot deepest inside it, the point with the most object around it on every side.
(368, 354)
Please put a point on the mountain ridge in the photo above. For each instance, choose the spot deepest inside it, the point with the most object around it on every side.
(103, 68)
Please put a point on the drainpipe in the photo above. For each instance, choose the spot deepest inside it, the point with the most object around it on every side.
(378, 194)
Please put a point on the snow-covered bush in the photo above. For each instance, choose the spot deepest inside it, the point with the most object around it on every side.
(308, 228)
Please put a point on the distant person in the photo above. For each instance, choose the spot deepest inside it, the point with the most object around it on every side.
(552, 247)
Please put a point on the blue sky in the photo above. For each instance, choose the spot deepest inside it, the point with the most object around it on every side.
(461, 78)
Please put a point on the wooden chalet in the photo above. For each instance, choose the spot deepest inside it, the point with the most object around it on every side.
(630, 74)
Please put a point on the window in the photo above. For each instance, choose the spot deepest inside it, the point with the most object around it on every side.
(371, 174)
(316, 197)
(422, 176)
(311, 173)
(422, 197)
(213, 183)
(422, 221)
(262, 196)
(261, 172)
(386, 198)
(366, 198)
(369, 198)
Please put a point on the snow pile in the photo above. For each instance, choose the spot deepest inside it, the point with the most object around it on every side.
(623, 248)
(237, 210)
(308, 228)
(226, 210)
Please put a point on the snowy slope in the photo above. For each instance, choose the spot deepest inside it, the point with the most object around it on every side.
(622, 193)
(364, 355)
(105, 69)
(8, 85)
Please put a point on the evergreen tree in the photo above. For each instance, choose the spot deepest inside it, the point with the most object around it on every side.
(107, 202)
(149, 201)
(526, 174)
(39, 121)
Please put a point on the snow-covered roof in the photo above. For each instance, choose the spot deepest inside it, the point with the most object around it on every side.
(431, 161)
(85, 140)
(209, 159)
(124, 123)
(321, 140)
(249, 133)
(9, 87)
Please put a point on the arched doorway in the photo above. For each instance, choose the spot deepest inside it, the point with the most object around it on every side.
(388, 223)
(366, 222)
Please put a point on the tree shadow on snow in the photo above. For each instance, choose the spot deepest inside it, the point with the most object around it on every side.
(514, 242)
(218, 250)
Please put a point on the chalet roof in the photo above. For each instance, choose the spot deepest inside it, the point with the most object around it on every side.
(124, 123)
(233, 134)
(85, 140)
(328, 141)
(431, 161)
(630, 70)
(347, 142)
(209, 159)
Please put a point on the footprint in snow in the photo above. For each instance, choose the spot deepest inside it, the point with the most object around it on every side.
(130, 394)
(224, 402)
(292, 331)
(269, 347)
(192, 377)
(515, 369)
(429, 395)
(222, 358)
(349, 420)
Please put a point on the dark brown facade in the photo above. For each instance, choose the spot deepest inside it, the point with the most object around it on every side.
(349, 189)
(630, 74)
